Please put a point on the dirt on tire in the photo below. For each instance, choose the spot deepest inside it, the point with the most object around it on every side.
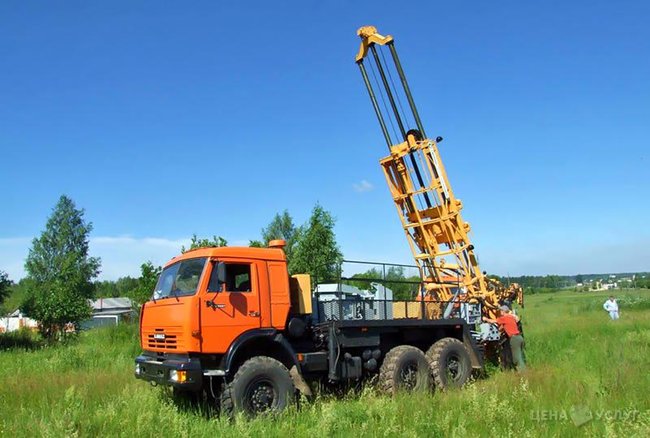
(405, 368)
(450, 363)
(261, 385)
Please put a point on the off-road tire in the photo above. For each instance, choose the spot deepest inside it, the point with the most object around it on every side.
(261, 385)
(406, 369)
(448, 374)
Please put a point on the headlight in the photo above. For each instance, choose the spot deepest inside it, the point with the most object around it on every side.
(137, 369)
(178, 376)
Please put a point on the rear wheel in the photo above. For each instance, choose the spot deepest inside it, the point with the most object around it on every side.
(261, 385)
(405, 368)
(450, 363)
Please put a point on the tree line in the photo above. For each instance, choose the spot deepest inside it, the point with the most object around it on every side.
(642, 283)
(310, 248)
(61, 275)
(538, 283)
(393, 277)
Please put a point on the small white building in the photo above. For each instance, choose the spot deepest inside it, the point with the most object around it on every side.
(106, 311)
(15, 321)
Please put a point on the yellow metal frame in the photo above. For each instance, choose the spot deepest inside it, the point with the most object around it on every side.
(369, 35)
(431, 217)
(437, 235)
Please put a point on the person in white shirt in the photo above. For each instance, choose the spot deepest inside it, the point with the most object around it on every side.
(611, 306)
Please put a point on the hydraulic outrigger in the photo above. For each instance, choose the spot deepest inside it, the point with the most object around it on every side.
(426, 204)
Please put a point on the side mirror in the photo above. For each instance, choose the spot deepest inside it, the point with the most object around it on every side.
(221, 272)
(218, 277)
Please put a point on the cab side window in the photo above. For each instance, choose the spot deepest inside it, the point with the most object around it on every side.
(238, 278)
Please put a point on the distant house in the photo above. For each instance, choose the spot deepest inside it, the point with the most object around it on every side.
(109, 311)
(106, 311)
(15, 321)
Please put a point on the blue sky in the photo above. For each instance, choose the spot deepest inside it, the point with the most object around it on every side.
(164, 119)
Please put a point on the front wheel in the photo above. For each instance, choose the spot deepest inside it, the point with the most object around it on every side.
(261, 385)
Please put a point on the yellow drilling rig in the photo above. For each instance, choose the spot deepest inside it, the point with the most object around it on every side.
(427, 207)
(232, 324)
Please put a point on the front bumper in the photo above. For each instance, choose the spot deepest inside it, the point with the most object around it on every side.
(159, 370)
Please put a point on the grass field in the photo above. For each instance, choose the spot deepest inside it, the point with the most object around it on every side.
(583, 368)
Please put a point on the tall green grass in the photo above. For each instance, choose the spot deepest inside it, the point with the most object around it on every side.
(579, 363)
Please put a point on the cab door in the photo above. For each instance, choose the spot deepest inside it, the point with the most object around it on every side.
(230, 308)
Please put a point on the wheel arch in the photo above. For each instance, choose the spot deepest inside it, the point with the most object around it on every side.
(258, 342)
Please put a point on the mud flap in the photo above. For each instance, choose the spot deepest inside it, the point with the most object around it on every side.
(299, 382)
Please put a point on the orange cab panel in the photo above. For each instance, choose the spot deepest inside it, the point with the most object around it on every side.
(166, 328)
(198, 314)
(280, 300)
(233, 310)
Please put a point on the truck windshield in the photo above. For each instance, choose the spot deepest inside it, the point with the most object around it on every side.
(180, 279)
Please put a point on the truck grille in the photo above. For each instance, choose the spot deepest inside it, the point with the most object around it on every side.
(161, 339)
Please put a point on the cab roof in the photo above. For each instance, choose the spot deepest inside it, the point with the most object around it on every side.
(245, 252)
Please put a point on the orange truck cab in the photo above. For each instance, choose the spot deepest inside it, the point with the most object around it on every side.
(231, 324)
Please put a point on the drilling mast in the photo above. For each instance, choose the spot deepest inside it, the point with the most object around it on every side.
(429, 211)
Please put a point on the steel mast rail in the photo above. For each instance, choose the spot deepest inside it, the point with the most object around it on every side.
(426, 204)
